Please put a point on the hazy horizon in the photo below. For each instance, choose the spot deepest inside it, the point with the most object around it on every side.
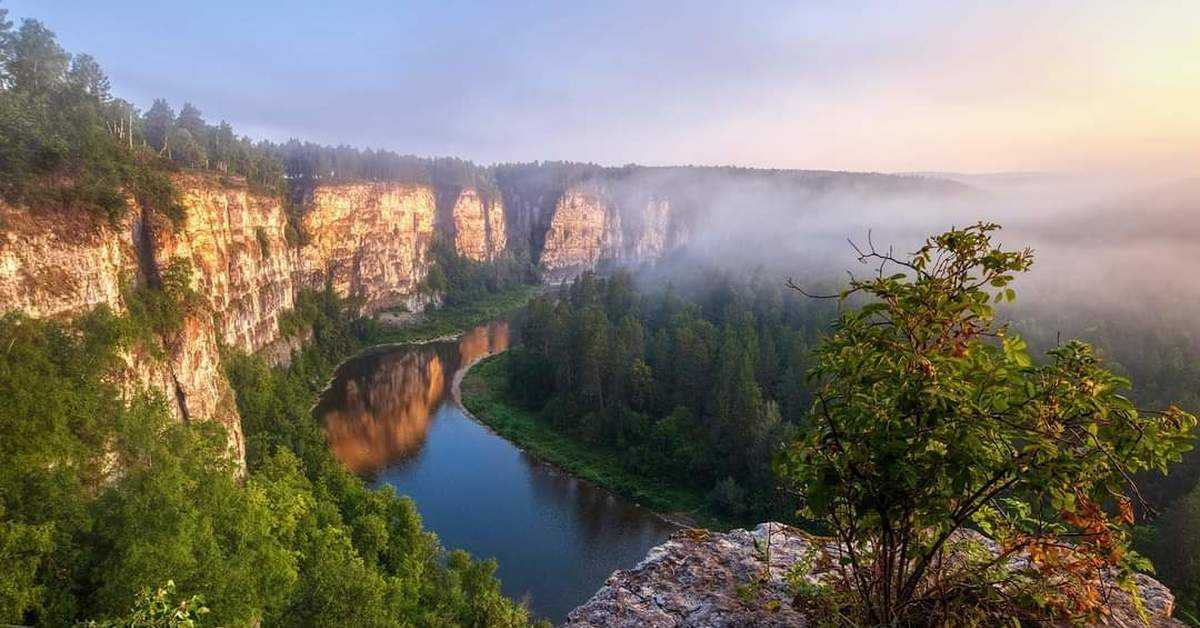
(930, 86)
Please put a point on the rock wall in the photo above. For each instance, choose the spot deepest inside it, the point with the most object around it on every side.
(478, 222)
(67, 263)
(584, 229)
(592, 225)
(371, 239)
(242, 264)
(63, 264)
(693, 580)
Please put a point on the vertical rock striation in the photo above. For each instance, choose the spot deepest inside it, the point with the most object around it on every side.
(479, 226)
(584, 229)
(371, 239)
(242, 265)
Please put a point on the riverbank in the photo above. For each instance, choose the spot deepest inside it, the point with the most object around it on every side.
(449, 322)
(482, 394)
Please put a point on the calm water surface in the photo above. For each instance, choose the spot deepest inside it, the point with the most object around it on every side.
(390, 416)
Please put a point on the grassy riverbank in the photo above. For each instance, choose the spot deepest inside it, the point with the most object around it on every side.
(483, 394)
(449, 321)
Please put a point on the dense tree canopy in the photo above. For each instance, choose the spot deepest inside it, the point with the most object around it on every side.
(102, 498)
(690, 388)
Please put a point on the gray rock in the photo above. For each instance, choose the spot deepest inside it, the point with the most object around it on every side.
(700, 578)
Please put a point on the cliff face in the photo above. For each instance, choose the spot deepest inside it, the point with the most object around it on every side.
(66, 264)
(694, 578)
(585, 228)
(372, 240)
(241, 262)
(479, 226)
(590, 226)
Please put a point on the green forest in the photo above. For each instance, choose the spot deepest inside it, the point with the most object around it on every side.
(692, 388)
(888, 412)
(107, 502)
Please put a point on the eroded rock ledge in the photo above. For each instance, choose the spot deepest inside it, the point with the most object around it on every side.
(693, 580)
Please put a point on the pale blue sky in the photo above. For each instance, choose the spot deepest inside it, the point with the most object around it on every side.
(893, 86)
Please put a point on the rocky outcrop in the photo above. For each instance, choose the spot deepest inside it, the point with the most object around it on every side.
(584, 229)
(65, 264)
(371, 239)
(698, 578)
(480, 232)
(592, 225)
(242, 264)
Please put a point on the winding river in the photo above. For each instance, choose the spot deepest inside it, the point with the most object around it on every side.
(390, 415)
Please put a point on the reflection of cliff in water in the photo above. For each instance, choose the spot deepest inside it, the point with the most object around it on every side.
(378, 409)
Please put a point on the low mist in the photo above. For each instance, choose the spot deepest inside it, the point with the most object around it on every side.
(1106, 248)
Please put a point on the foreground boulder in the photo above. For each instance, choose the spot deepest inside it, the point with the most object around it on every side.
(698, 578)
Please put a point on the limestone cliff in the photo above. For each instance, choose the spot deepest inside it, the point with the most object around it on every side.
(480, 232)
(241, 262)
(584, 229)
(593, 224)
(371, 239)
(693, 580)
(63, 264)
(67, 263)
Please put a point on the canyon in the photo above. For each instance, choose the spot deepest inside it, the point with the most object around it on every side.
(249, 259)
(251, 253)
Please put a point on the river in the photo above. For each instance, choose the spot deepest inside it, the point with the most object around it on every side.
(390, 416)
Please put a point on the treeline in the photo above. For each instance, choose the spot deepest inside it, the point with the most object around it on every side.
(187, 140)
(102, 499)
(65, 141)
(695, 388)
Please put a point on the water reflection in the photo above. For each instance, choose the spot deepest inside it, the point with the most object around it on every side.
(389, 415)
(377, 411)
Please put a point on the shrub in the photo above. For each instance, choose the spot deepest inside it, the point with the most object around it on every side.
(930, 418)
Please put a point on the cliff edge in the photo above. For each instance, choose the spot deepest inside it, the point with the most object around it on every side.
(697, 578)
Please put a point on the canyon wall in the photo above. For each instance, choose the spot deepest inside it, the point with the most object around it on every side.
(478, 223)
(67, 263)
(242, 264)
(371, 239)
(592, 225)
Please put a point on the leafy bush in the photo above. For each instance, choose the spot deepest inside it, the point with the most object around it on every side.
(930, 417)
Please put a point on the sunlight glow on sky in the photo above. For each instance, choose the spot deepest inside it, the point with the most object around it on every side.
(1099, 85)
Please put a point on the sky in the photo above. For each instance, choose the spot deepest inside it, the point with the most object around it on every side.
(1083, 86)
